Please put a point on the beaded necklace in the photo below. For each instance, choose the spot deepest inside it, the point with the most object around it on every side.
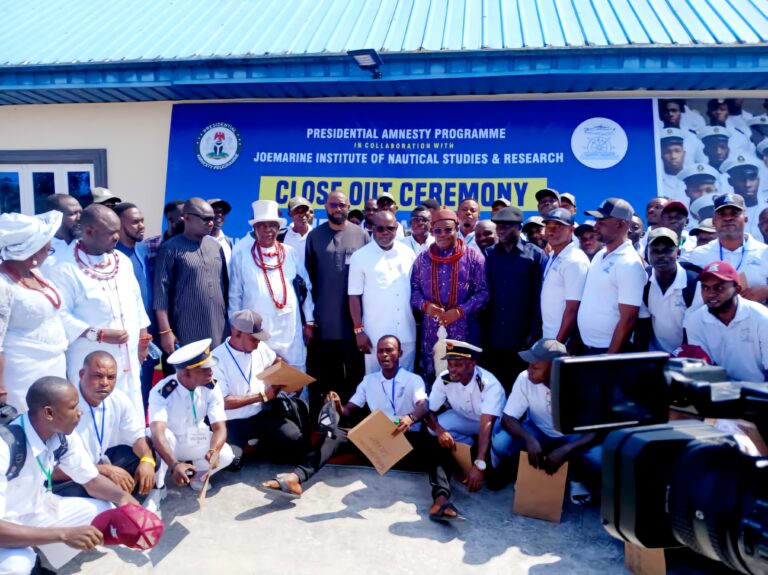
(453, 261)
(47, 290)
(261, 264)
(101, 271)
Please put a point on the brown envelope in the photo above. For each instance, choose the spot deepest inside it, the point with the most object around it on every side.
(288, 378)
(537, 494)
(642, 561)
(373, 436)
(463, 457)
(743, 282)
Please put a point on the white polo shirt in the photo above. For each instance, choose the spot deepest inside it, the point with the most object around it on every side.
(236, 374)
(297, 242)
(564, 277)
(24, 494)
(668, 311)
(751, 258)
(741, 347)
(613, 278)
(396, 397)
(417, 248)
(468, 400)
(175, 406)
(536, 400)
(113, 422)
(383, 278)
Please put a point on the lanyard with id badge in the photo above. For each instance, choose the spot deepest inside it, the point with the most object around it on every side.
(102, 458)
(50, 501)
(199, 435)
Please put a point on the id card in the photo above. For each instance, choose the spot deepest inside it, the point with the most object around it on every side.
(197, 438)
(51, 504)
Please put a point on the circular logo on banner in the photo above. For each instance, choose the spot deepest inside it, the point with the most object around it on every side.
(599, 143)
(218, 146)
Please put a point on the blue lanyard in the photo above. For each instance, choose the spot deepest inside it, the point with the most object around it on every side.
(250, 369)
(548, 267)
(99, 436)
(192, 400)
(741, 261)
(394, 383)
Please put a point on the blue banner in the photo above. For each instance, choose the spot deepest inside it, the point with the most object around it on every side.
(448, 151)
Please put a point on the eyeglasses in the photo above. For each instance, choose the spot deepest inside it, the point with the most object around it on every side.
(382, 229)
(336, 206)
(420, 219)
(441, 231)
(206, 219)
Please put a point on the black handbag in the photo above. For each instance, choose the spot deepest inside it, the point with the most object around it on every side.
(300, 287)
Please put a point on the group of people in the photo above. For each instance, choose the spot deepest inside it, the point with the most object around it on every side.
(449, 329)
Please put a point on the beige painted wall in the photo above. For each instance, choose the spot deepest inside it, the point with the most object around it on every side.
(135, 136)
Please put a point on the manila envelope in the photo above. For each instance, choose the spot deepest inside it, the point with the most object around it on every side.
(743, 282)
(642, 561)
(463, 456)
(288, 378)
(537, 494)
(373, 436)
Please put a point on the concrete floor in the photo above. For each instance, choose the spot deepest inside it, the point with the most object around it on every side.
(351, 520)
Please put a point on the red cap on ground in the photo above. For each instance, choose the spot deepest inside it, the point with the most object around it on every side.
(130, 525)
(692, 352)
(720, 270)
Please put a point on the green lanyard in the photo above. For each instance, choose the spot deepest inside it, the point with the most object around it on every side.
(48, 473)
(194, 409)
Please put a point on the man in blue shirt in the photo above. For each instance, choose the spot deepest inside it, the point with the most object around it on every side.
(131, 244)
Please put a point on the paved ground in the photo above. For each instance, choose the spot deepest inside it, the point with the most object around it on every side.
(351, 520)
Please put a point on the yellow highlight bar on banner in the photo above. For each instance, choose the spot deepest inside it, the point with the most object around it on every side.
(408, 192)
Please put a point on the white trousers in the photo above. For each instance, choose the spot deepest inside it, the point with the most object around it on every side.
(195, 454)
(73, 512)
(406, 362)
(461, 428)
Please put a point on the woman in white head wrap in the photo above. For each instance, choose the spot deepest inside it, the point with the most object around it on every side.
(32, 337)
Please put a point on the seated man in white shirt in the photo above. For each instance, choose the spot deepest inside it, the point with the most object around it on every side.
(547, 448)
(397, 392)
(112, 433)
(475, 399)
(248, 402)
(30, 514)
(732, 330)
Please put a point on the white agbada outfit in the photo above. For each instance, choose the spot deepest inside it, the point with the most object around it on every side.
(102, 304)
(248, 289)
(32, 339)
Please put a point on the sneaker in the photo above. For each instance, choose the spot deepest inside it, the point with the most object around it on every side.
(196, 483)
(580, 495)
(152, 502)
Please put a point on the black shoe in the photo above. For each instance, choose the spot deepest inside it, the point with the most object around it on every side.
(236, 465)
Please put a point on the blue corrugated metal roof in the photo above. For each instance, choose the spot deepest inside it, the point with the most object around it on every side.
(41, 32)
(136, 50)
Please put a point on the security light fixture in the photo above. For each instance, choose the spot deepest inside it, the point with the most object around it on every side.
(367, 59)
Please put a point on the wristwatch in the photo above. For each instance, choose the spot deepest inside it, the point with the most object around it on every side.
(92, 334)
(480, 464)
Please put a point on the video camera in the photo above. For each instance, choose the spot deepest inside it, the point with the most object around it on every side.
(683, 483)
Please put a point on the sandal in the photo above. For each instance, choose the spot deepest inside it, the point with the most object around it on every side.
(284, 489)
(441, 515)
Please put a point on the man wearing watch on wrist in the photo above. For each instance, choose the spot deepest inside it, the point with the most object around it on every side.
(475, 399)
(111, 430)
(251, 413)
(178, 408)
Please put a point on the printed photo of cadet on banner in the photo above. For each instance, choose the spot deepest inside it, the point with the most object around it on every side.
(446, 152)
(715, 146)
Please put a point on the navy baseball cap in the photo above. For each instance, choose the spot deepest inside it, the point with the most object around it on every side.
(728, 201)
(560, 215)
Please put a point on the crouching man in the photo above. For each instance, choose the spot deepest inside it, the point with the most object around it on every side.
(178, 407)
(112, 432)
(31, 515)
(547, 449)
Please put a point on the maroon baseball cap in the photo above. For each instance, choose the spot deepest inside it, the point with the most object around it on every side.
(720, 270)
(679, 206)
(130, 525)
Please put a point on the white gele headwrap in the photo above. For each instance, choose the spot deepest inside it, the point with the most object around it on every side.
(21, 236)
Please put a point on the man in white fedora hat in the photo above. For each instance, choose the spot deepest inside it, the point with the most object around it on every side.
(263, 277)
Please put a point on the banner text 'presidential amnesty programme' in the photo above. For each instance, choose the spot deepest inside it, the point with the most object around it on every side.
(406, 133)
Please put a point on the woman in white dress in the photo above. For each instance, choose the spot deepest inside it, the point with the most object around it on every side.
(32, 337)
(261, 278)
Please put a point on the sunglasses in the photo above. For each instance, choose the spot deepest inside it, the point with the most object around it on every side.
(441, 231)
(419, 219)
(335, 206)
(206, 219)
(382, 229)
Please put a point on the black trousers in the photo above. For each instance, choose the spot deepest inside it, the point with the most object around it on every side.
(426, 452)
(279, 437)
(120, 456)
(337, 365)
(505, 364)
